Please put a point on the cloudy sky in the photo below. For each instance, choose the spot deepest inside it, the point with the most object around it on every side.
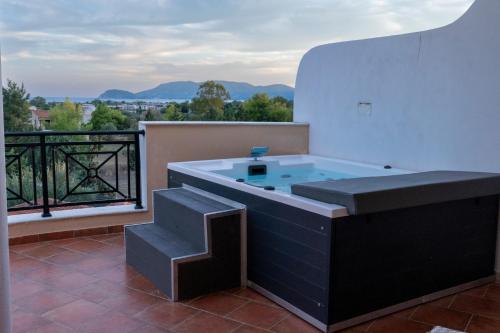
(81, 48)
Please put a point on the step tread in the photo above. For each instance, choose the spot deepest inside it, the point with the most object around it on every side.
(164, 240)
(194, 201)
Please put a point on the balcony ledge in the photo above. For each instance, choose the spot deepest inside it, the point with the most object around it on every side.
(218, 123)
(74, 213)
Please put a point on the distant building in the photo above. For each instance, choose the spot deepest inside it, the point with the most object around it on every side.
(39, 118)
(87, 109)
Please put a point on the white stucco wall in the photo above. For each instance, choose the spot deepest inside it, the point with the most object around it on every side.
(435, 96)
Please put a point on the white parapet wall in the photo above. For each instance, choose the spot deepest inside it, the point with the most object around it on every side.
(421, 101)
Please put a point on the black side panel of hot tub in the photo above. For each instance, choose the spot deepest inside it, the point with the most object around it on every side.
(387, 258)
(223, 265)
(288, 248)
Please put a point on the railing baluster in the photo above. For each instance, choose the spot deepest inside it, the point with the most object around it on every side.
(54, 185)
(138, 194)
(20, 175)
(116, 172)
(128, 171)
(33, 169)
(45, 186)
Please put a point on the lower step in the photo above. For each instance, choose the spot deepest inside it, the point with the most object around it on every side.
(183, 270)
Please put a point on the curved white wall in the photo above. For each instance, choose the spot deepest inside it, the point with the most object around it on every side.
(435, 96)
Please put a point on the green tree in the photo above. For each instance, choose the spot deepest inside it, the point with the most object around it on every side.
(261, 108)
(105, 118)
(233, 111)
(66, 116)
(151, 115)
(39, 102)
(209, 101)
(173, 113)
(257, 108)
(17, 115)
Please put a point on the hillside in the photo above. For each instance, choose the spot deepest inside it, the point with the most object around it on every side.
(188, 89)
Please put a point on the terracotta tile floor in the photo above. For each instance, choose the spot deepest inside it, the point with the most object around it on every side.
(84, 285)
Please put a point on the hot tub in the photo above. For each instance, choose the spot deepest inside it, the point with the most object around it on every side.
(282, 172)
(336, 269)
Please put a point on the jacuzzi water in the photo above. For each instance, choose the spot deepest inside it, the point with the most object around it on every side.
(281, 178)
(282, 172)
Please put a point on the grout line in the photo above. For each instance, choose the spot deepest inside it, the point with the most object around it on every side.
(185, 320)
(468, 323)
(486, 291)
(281, 320)
(370, 326)
(236, 328)
(452, 301)
(269, 302)
(235, 309)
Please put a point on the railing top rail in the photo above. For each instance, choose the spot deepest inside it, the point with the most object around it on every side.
(63, 133)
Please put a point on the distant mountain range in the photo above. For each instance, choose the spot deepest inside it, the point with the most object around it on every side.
(188, 89)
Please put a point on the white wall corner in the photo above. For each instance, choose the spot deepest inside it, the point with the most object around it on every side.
(5, 317)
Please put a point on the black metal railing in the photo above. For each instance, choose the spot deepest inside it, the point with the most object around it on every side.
(52, 169)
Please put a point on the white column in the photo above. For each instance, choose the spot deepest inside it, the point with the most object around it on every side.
(5, 321)
(497, 263)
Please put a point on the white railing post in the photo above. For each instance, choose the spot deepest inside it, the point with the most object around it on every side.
(5, 321)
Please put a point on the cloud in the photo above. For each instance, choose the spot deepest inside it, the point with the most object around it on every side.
(134, 45)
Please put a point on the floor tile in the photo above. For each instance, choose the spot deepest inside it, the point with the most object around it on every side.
(117, 240)
(75, 314)
(439, 316)
(23, 266)
(151, 329)
(70, 281)
(121, 274)
(44, 301)
(257, 314)
(53, 328)
(483, 325)
(405, 314)
(45, 251)
(25, 287)
(90, 265)
(478, 291)
(166, 314)
(254, 296)
(108, 250)
(64, 241)
(141, 283)
(47, 273)
(85, 245)
(131, 302)
(26, 247)
(13, 256)
(398, 325)
(219, 303)
(23, 322)
(66, 258)
(111, 322)
(444, 302)
(249, 329)
(493, 292)
(294, 324)
(207, 323)
(476, 305)
(99, 291)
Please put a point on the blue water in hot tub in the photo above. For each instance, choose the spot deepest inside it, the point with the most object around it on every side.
(283, 177)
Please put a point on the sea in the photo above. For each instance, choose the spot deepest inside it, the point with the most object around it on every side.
(90, 99)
